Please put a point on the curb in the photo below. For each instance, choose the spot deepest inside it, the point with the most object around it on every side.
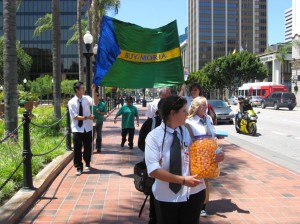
(16, 207)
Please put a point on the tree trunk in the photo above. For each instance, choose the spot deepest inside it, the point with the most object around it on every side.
(56, 58)
(80, 40)
(10, 66)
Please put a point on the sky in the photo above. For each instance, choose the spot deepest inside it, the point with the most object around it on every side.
(157, 13)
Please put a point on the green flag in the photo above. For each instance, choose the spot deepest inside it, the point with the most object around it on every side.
(130, 56)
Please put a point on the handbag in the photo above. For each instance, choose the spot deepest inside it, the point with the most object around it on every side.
(142, 181)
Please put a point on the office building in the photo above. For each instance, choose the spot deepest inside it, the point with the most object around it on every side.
(288, 17)
(40, 47)
(220, 27)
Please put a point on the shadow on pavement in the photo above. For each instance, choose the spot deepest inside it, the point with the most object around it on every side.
(223, 206)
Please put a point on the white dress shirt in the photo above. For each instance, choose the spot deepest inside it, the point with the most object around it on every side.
(157, 156)
(73, 105)
(201, 126)
(152, 108)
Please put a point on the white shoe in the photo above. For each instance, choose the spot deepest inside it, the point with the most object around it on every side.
(87, 168)
(203, 213)
(78, 172)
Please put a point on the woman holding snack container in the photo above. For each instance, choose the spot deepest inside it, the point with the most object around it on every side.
(200, 124)
(181, 203)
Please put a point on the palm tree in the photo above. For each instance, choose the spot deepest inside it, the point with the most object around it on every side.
(98, 9)
(280, 56)
(80, 3)
(56, 59)
(10, 65)
(43, 24)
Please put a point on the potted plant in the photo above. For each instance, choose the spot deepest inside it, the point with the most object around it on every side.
(26, 99)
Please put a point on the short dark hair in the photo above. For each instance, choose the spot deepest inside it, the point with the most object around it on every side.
(129, 99)
(193, 85)
(77, 85)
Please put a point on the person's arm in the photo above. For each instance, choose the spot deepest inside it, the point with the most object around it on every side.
(73, 110)
(238, 107)
(118, 114)
(103, 111)
(183, 90)
(137, 117)
(190, 181)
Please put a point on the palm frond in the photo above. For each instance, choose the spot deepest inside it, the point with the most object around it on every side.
(43, 24)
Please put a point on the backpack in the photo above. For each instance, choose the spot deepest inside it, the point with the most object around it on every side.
(142, 181)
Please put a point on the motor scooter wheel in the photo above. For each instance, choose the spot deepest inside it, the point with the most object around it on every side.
(252, 129)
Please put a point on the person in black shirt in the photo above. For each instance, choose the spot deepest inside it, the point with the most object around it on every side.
(244, 106)
(145, 129)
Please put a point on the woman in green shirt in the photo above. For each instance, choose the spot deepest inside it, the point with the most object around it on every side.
(128, 113)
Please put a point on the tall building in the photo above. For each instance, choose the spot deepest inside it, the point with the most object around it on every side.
(288, 17)
(40, 48)
(219, 27)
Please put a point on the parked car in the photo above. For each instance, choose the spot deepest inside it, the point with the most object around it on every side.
(279, 99)
(255, 100)
(222, 110)
(233, 100)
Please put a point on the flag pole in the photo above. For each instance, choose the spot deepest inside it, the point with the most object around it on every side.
(93, 100)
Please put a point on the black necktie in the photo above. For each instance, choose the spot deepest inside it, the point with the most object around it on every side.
(175, 161)
(80, 122)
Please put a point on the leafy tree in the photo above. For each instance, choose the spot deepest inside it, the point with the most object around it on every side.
(24, 61)
(67, 87)
(42, 85)
(230, 71)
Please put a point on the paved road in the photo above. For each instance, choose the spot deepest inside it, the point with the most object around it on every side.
(277, 139)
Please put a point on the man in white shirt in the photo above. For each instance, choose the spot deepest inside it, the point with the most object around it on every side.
(152, 107)
(82, 125)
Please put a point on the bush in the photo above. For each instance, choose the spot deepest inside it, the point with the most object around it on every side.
(42, 141)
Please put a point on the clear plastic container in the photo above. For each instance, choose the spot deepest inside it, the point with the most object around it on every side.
(202, 157)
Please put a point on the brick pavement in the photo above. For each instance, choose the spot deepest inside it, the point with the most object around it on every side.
(250, 189)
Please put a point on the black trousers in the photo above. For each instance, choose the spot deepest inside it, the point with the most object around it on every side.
(84, 139)
(187, 212)
(99, 135)
(130, 132)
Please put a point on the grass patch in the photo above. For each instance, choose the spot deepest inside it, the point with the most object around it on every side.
(42, 140)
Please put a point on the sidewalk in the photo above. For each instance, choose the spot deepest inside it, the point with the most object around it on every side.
(249, 190)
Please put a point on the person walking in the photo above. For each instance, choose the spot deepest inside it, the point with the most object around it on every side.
(128, 112)
(195, 91)
(99, 112)
(152, 107)
(82, 125)
(201, 123)
(178, 196)
(148, 126)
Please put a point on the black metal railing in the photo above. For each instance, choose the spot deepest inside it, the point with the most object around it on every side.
(27, 154)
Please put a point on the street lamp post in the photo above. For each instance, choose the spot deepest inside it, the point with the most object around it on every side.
(95, 50)
(88, 40)
(24, 83)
